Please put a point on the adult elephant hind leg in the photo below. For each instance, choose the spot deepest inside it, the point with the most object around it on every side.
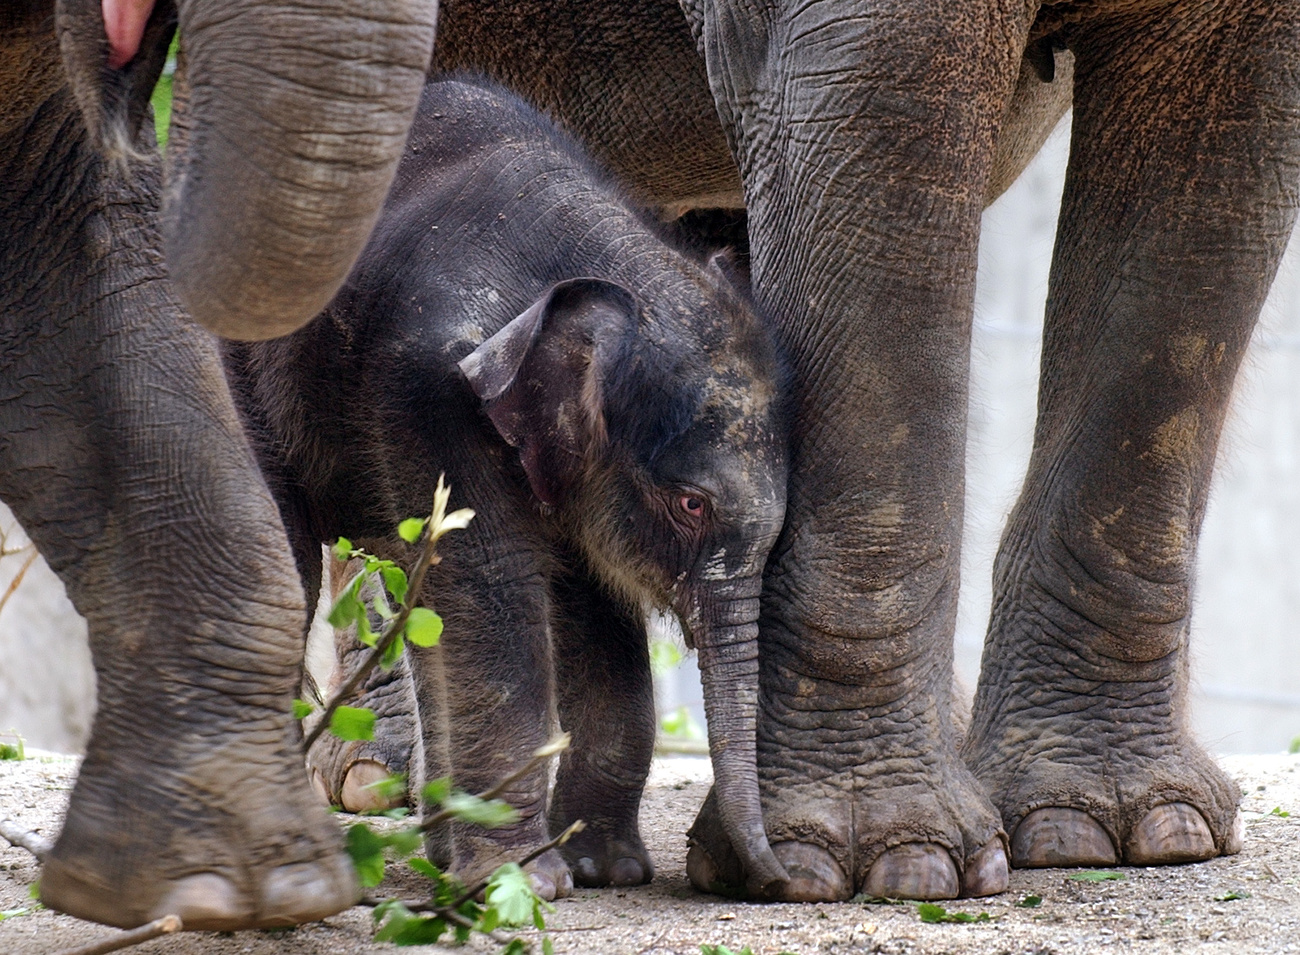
(605, 698)
(865, 135)
(1181, 192)
(345, 772)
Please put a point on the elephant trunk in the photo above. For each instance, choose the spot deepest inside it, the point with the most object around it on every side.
(725, 632)
(294, 121)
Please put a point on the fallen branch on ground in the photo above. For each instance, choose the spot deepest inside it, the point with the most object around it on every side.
(22, 838)
(163, 926)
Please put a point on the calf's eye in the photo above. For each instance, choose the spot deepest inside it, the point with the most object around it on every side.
(692, 505)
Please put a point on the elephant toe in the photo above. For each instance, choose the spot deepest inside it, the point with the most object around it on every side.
(551, 877)
(360, 792)
(1170, 834)
(1057, 836)
(914, 870)
(987, 872)
(814, 875)
(628, 871)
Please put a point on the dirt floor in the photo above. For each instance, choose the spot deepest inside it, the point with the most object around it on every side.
(1246, 903)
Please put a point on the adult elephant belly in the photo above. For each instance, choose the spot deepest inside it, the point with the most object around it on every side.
(868, 137)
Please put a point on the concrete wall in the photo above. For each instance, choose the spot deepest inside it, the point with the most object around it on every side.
(1246, 655)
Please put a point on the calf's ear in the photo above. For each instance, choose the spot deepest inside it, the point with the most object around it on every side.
(541, 378)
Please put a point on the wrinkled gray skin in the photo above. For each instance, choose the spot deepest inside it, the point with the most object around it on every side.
(868, 136)
(122, 455)
(619, 436)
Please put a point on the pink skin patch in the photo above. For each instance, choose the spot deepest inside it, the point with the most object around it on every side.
(124, 22)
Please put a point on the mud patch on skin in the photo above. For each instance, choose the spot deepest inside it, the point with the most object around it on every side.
(1173, 443)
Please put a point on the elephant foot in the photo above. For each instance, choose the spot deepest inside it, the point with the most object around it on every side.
(598, 860)
(549, 872)
(829, 858)
(344, 772)
(1072, 796)
(231, 839)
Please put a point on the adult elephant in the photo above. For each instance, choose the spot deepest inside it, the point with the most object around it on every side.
(867, 137)
(120, 451)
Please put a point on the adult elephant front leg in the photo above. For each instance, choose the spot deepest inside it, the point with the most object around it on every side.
(121, 454)
(1181, 192)
(865, 134)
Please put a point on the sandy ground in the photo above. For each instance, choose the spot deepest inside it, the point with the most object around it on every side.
(1163, 910)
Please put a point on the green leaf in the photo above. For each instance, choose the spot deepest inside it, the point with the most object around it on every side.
(1231, 896)
(302, 709)
(680, 724)
(353, 723)
(348, 607)
(394, 581)
(365, 636)
(411, 529)
(435, 792)
(1295, 746)
(392, 653)
(664, 656)
(510, 894)
(342, 549)
(548, 947)
(390, 787)
(1277, 811)
(425, 868)
(12, 751)
(488, 813)
(34, 890)
(1030, 902)
(1096, 875)
(934, 914)
(403, 927)
(423, 627)
(515, 946)
(367, 853)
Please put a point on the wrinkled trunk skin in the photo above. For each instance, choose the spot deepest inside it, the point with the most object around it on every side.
(725, 633)
(295, 121)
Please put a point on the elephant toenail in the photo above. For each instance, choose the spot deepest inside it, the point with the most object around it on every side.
(814, 874)
(1057, 836)
(360, 794)
(205, 902)
(987, 872)
(306, 892)
(1169, 834)
(627, 871)
(914, 870)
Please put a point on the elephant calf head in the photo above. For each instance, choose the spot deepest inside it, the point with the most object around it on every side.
(655, 432)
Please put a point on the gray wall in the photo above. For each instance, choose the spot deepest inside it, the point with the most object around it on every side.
(1246, 695)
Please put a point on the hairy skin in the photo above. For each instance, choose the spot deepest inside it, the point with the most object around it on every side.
(868, 136)
(121, 454)
(619, 436)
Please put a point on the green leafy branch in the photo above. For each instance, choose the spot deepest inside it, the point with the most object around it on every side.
(420, 625)
(508, 896)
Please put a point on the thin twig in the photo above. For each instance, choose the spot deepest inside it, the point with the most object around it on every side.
(163, 926)
(559, 840)
(18, 577)
(428, 558)
(538, 759)
(22, 838)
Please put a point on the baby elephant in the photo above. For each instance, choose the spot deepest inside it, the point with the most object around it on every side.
(610, 410)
